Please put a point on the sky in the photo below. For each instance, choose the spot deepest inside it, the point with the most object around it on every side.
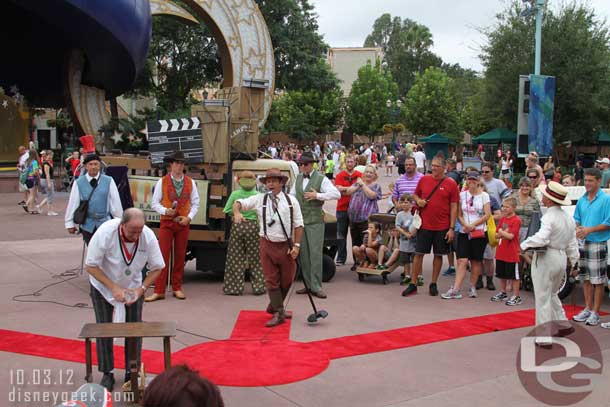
(454, 24)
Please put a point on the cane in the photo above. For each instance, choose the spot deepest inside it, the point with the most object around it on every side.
(82, 259)
(312, 318)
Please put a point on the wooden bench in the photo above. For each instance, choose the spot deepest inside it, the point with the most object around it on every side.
(130, 331)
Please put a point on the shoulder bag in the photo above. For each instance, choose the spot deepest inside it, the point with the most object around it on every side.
(80, 214)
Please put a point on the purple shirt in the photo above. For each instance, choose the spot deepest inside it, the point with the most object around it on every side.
(405, 185)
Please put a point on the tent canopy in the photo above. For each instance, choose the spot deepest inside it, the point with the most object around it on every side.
(436, 138)
(496, 136)
(603, 138)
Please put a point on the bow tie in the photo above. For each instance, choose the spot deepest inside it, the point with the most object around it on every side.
(306, 176)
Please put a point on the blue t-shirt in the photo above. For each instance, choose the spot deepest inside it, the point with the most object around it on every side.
(594, 213)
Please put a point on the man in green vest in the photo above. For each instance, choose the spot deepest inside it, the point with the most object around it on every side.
(311, 190)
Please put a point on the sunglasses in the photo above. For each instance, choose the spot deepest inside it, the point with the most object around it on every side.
(532, 177)
(471, 203)
(485, 172)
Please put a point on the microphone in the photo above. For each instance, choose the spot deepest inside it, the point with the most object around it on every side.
(174, 204)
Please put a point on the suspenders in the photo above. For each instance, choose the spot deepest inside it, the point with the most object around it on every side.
(275, 210)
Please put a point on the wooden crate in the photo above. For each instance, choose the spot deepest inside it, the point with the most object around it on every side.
(252, 103)
(244, 136)
(214, 125)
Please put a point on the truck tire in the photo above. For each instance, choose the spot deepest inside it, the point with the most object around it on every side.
(328, 268)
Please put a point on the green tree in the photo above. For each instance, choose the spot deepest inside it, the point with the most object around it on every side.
(574, 50)
(366, 106)
(406, 45)
(181, 58)
(313, 108)
(431, 105)
(297, 45)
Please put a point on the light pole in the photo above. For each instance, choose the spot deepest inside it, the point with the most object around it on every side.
(536, 6)
(394, 112)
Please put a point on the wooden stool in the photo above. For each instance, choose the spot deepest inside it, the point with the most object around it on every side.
(130, 331)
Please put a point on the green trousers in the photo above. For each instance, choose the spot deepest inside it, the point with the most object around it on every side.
(311, 255)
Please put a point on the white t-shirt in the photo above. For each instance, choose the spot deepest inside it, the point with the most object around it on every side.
(420, 159)
(497, 189)
(473, 207)
(506, 164)
(367, 153)
(104, 252)
(22, 160)
(273, 152)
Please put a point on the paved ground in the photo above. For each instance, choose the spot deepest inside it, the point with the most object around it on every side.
(474, 370)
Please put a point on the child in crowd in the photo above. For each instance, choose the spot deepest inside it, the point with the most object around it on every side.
(507, 255)
(74, 161)
(366, 254)
(390, 253)
(404, 224)
(329, 167)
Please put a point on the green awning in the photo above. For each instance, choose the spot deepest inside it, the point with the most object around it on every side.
(496, 136)
(603, 138)
(436, 138)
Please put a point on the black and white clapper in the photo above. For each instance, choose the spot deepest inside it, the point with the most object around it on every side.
(167, 136)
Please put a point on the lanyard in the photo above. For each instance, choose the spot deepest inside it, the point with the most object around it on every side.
(127, 257)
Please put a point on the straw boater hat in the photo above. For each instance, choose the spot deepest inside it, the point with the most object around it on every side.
(556, 193)
(274, 173)
(176, 156)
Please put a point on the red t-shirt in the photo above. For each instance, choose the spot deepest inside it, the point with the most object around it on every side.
(437, 213)
(343, 179)
(75, 163)
(373, 158)
(508, 250)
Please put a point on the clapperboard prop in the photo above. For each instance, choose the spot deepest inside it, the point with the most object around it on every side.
(167, 136)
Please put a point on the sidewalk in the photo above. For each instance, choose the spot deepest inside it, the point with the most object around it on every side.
(473, 370)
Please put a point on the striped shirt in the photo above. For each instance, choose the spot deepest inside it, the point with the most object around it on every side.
(406, 185)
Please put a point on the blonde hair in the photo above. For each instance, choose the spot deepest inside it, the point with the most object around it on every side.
(372, 168)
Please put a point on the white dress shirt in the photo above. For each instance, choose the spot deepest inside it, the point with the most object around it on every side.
(327, 191)
(104, 252)
(274, 232)
(158, 195)
(557, 231)
(115, 208)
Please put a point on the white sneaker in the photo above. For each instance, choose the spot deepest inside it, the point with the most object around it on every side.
(605, 325)
(451, 294)
(582, 315)
(593, 319)
(52, 213)
(472, 292)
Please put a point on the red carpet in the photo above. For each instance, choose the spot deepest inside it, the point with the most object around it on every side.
(257, 356)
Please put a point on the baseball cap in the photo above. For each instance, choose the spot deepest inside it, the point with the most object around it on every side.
(604, 160)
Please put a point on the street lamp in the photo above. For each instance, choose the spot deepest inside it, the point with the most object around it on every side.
(394, 112)
(536, 6)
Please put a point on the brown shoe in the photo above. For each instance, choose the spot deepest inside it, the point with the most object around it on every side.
(278, 318)
(155, 297)
(319, 294)
(180, 295)
(287, 314)
(302, 291)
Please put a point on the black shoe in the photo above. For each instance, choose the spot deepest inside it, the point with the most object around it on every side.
(490, 284)
(21, 203)
(108, 381)
(433, 289)
(565, 331)
(354, 267)
(479, 283)
(411, 289)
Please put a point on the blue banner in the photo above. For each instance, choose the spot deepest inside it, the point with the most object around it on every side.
(540, 121)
